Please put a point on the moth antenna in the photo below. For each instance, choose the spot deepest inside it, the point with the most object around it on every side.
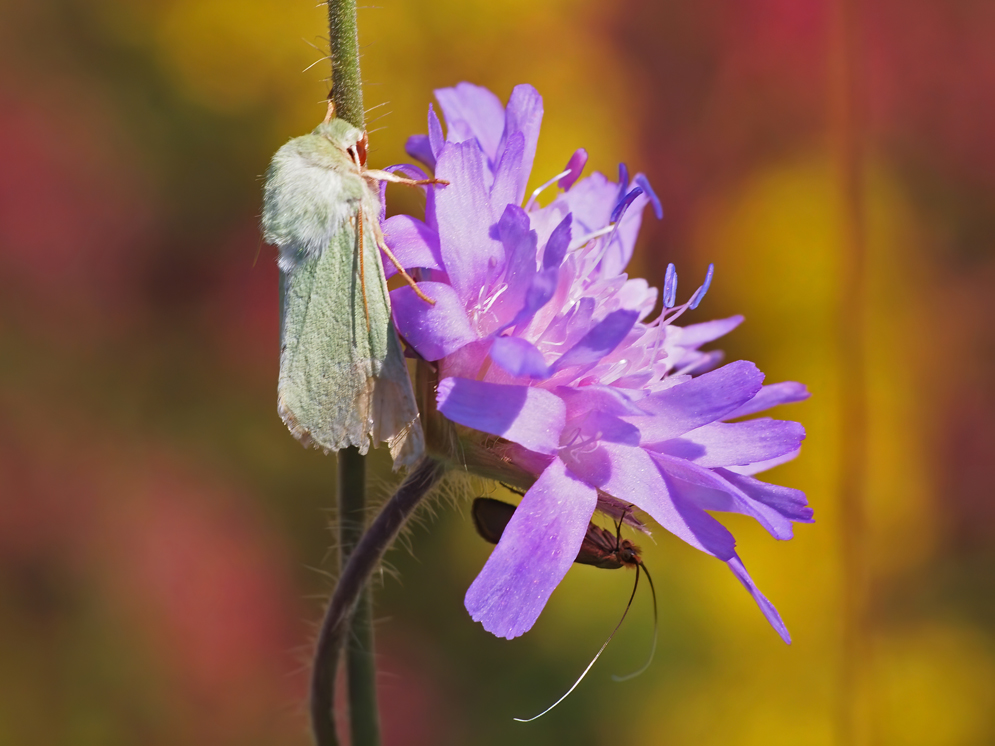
(649, 660)
(593, 660)
(362, 265)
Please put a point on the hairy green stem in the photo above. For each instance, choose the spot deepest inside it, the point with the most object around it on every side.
(364, 719)
(352, 581)
(347, 83)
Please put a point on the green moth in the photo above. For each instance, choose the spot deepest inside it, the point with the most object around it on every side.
(343, 380)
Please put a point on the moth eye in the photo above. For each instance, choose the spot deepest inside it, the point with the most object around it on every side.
(361, 146)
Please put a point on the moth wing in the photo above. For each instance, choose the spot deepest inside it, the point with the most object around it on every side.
(343, 380)
(490, 517)
(395, 414)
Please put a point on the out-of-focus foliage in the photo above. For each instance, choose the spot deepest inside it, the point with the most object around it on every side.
(163, 541)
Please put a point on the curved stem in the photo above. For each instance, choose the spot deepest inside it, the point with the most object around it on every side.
(347, 83)
(352, 581)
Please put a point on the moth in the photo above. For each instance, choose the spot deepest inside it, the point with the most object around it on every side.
(600, 548)
(343, 381)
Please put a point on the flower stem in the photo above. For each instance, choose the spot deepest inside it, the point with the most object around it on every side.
(352, 581)
(364, 719)
(347, 83)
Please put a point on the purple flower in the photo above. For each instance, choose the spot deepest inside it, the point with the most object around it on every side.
(542, 340)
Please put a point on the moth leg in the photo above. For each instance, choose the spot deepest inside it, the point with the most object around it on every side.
(378, 175)
(414, 286)
(362, 265)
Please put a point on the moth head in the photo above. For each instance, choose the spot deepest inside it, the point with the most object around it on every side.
(345, 137)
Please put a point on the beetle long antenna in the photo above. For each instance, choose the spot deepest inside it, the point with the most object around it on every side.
(593, 660)
(649, 660)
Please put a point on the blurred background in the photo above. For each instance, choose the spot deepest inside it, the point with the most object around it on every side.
(164, 542)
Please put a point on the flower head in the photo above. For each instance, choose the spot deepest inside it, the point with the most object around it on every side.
(541, 339)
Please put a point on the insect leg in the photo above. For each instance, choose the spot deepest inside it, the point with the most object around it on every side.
(378, 175)
(593, 660)
(362, 265)
(390, 255)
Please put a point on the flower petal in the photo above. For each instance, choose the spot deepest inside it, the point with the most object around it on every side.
(786, 392)
(412, 242)
(524, 115)
(602, 427)
(434, 331)
(557, 245)
(630, 474)
(472, 112)
(698, 402)
(519, 242)
(696, 335)
(419, 148)
(435, 137)
(790, 503)
(529, 416)
(541, 290)
(537, 548)
(463, 211)
(609, 399)
(760, 466)
(736, 565)
(736, 443)
(519, 357)
(507, 172)
(712, 491)
(604, 337)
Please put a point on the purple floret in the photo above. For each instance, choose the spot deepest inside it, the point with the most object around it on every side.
(542, 340)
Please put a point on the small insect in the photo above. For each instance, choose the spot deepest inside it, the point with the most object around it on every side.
(343, 379)
(600, 548)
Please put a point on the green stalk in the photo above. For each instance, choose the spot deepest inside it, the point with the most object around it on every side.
(364, 716)
(347, 83)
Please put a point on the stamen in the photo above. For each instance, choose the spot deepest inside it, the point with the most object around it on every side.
(539, 190)
(579, 242)
(623, 205)
(623, 179)
(670, 286)
(644, 183)
(575, 166)
(700, 292)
